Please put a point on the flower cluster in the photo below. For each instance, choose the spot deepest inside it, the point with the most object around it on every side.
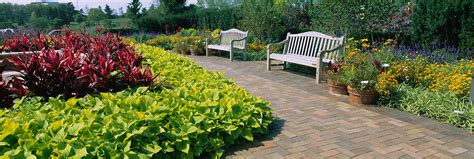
(437, 77)
(386, 82)
(256, 47)
(455, 77)
(85, 64)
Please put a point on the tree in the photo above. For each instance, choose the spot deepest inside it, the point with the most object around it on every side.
(133, 10)
(172, 6)
(41, 23)
(96, 15)
(263, 19)
(219, 3)
(79, 17)
(109, 12)
(144, 11)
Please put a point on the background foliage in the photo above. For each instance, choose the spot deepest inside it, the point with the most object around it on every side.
(446, 22)
(38, 16)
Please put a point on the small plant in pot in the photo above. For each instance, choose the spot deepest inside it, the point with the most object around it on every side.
(194, 50)
(182, 48)
(197, 48)
(361, 77)
(335, 82)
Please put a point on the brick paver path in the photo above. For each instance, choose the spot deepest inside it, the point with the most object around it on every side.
(314, 124)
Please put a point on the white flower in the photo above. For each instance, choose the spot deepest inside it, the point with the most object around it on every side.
(385, 65)
(458, 112)
(364, 82)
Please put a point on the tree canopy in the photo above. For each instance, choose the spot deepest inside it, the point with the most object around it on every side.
(133, 9)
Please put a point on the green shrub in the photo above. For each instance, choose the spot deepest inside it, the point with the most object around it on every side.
(156, 21)
(446, 22)
(360, 19)
(443, 106)
(263, 19)
(216, 18)
(188, 32)
(169, 42)
(142, 37)
(201, 115)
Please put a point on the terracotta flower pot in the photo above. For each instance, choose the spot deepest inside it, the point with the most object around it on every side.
(365, 97)
(193, 51)
(337, 88)
(196, 51)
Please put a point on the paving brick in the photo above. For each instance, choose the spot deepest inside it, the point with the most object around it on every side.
(297, 149)
(329, 153)
(315, 124)
(458, 150)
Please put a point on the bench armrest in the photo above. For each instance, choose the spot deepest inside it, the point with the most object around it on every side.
(279, 43)
(270, 46)
(330, 50)
(233, 41)
(238, 40)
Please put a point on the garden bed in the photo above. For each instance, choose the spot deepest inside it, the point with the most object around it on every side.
(188, 41)
(191, 112)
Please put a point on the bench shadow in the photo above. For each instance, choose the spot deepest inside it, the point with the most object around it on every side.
(274, 129)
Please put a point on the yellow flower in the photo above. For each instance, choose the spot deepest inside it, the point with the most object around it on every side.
(365, 45)
(386, 82)
(364, 40)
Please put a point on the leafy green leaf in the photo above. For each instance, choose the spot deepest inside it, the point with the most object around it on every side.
(183, 146)
(79, 153)
(247, 135)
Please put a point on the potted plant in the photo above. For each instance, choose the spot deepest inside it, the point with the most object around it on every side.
(360, 74)
(197, 48)
(334, 76)
(193, 49)
(182, 48)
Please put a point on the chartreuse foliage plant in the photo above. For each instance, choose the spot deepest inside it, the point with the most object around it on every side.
(446, 107)
(199, 113)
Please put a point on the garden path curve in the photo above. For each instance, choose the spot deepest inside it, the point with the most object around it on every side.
(314, 124)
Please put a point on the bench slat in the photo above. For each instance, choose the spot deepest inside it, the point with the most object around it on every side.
(299, 43)
(303, 46)
(314, 52)
(308, 46)
(311, 47)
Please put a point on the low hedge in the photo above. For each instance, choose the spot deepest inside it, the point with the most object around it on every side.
(199, 113)
(446, 107)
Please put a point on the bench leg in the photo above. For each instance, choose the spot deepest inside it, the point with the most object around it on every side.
(269, 64)
(245, 55)
(207, 51)
(319, 70)
(285, 64)
(231, 55)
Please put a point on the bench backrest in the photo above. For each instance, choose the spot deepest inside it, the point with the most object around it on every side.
(233, 34)
(311, 44)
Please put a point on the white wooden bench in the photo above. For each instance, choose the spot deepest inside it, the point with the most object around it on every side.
(230, 40)
(309, 49)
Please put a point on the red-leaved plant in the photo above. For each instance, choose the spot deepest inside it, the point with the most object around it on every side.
(73, 64)
(10, 90)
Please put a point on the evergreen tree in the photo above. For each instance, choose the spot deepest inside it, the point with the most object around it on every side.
(133, 9)
(172, 6)
(96, 15)
(109, 12)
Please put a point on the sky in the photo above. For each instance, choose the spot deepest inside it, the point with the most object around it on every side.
(115, 4)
